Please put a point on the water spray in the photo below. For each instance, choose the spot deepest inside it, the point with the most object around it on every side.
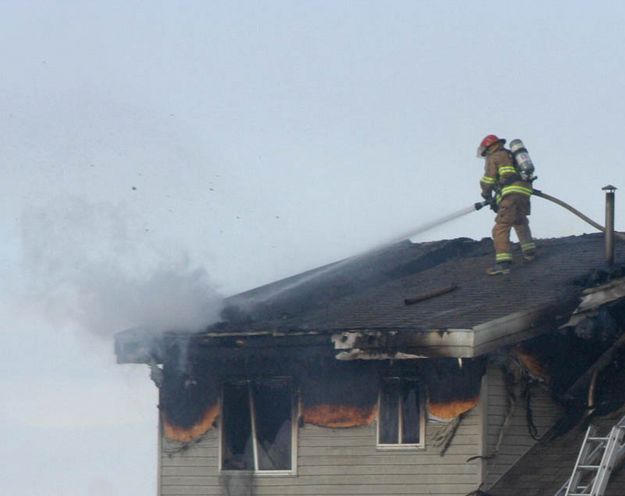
(431, 225)
(436, 223)
(407, 236)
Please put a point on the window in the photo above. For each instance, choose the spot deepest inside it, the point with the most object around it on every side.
(400, 419)
(257, 426)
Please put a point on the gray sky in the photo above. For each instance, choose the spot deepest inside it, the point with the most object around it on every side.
(156, 152)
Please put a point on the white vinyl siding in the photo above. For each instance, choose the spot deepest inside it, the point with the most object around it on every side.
(335, 462)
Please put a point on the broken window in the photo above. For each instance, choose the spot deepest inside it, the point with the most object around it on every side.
(400, 419)
(236, 436)
(257, 426)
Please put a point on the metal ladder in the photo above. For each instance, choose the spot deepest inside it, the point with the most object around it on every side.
(595, 462)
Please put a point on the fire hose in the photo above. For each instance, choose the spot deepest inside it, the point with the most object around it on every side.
(563, 204)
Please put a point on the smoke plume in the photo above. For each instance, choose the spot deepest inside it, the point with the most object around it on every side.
(89, 267)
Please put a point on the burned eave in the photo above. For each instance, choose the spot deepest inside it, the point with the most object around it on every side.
(140, 346)
(358, 343)
(460, 343)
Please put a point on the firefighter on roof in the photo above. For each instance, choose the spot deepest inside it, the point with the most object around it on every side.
(510, 198)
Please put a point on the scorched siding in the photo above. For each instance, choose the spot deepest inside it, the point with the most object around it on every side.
(333, 462)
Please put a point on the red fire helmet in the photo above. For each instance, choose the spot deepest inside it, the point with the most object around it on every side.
(486, 142)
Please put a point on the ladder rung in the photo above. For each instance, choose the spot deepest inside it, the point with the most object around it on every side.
(610, 448)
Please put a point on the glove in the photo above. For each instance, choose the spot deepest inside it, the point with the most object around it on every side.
(493, 206)
(487, 196)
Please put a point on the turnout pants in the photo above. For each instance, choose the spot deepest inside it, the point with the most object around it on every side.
(512, 213)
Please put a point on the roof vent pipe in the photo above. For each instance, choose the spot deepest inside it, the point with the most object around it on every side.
(609, 223)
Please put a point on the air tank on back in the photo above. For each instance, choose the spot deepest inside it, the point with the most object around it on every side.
(522, 159)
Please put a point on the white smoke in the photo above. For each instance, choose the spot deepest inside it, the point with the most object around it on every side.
(89, 267)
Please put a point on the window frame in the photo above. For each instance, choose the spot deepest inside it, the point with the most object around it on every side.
(421, 397)
(295, 414)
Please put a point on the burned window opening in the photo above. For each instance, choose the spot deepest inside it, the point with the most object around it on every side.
(339, 395)
(400, 420)
(257, 426)
(237, 445)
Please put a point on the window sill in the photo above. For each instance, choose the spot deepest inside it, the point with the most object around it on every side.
(261, 473)
(400, 447)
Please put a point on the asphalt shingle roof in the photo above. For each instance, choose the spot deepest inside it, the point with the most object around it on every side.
(368, 292)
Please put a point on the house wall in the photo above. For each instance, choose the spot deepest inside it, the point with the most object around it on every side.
(335, 462)
(517, 440)
(347, 462)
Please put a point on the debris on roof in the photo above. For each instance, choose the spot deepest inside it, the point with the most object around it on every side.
(431, 294)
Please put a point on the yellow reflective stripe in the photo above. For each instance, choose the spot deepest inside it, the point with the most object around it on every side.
(507, 169)
(528, 246)
(503, 257)
(506, 190)
(488, 180)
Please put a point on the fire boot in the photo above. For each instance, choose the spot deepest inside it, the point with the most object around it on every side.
(529, 255)
(499, 268)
